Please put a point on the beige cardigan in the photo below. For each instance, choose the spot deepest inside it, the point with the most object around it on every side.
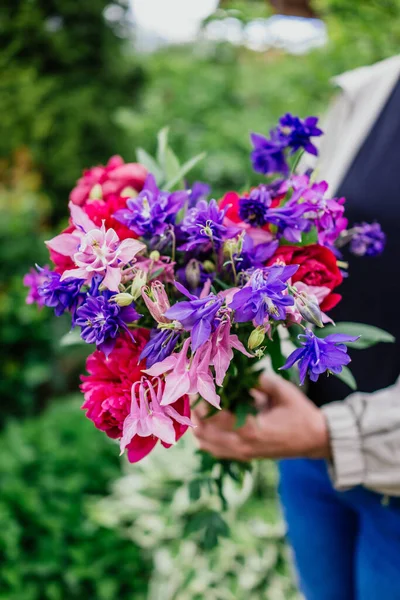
(365, 428)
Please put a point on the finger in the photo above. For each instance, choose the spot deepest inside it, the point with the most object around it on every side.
(260, 399)
(276, 388)
(222, 445)
(221, 420)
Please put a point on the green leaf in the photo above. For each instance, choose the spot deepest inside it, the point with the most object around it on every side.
(172, 167)
(212, 526)
(156, 273)
(188, 166)
(72, 338)
(277, 358)
(150, 163)
(195, 489)
(370, 335)
(162, 145)
(242, 412)
(347, 377)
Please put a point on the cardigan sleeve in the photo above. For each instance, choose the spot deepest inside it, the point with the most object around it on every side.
(365, 439)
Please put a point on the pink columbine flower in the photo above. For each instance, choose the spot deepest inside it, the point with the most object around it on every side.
(95, 250)
(147, 418)
(185, 375)
(157, 301)
(222, 343)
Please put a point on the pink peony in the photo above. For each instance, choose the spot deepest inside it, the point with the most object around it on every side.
(115, 178)
(108, 394)
(107, 388)
(103, 210)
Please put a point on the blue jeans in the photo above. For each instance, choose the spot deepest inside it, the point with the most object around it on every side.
(346, 544)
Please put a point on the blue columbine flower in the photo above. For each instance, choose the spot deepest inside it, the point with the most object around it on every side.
(290, 221)
(253, 208)
(160, 345)
(196, 315)
(204, 226)
(268, 155)
(101, 319)
(318, 355)
(263, 297)
(152, 210)
(61, 295)
(367, 239)
(298, 132)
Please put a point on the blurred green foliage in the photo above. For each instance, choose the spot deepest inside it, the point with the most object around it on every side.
(32, 365)
(64, 69)
(50, 467)
(153, 505)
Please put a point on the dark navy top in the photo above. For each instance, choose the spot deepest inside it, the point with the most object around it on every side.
(371, 293)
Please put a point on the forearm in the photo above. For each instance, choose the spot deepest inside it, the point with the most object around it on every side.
(364, 435)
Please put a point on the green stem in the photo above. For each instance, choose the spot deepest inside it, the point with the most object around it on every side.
(296, 162)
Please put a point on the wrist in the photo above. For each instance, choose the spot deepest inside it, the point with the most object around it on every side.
(320, 446)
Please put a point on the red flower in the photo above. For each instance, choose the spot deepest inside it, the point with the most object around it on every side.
(107, 388)
(318, 267)
(231, 200)
(107, 391)
(103, 210)
(114, 178)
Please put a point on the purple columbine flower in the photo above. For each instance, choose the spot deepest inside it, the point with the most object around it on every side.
(367, 239)
(268, 154)
(318, 355)
(298, 132)
(101, 319)
(264, 296)
(61, 295)
(254, 257)
(198, 191)
(160, 345)
(152, 210)
(196, 315)
(33, 280)
(290, 221)
(204, 226)
(253, 209)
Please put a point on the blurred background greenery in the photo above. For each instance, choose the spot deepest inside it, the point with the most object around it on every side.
(80, 82)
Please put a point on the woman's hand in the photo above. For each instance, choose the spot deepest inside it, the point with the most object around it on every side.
(289, 425)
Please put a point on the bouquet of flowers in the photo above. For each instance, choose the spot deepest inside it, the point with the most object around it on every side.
(182, 296)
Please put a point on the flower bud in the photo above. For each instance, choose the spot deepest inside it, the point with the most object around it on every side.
(123, 299)
(208, 266)
(256, 337)
(139, 281)
(309, 310)
(192, 273)
(96, 193)
(234, 246)
(155, 255)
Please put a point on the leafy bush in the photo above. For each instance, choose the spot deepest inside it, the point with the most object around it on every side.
(49, 550)
(32, 366)
(64, 70)
(152, 506)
